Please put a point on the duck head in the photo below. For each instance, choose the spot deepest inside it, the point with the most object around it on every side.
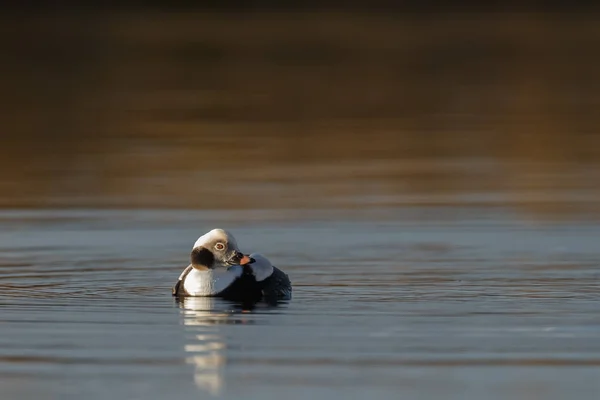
(217, 249)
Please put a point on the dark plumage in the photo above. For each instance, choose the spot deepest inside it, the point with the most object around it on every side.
(276, 287)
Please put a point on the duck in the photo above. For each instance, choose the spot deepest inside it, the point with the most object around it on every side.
(219, 269)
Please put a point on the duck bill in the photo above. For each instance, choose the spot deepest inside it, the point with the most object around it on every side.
(245, 260)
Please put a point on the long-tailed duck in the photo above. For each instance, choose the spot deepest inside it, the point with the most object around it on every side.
(219, 269)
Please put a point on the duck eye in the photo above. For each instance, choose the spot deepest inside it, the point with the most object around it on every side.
(220, 246)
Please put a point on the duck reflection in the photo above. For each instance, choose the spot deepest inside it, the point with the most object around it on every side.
(205, 341)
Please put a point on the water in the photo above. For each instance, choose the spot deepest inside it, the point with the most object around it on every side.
(396, 304)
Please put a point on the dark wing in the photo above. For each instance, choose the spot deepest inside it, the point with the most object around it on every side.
(277, 286)
(244, 289)
(178, 289)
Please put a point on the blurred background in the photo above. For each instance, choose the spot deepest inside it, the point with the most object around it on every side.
(313, 105)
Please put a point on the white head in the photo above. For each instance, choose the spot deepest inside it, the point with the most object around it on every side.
(261, 266)
(217, 248)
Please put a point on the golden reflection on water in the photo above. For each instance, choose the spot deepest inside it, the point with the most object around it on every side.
(207, 346)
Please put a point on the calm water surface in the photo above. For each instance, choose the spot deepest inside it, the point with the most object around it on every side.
(412, 303)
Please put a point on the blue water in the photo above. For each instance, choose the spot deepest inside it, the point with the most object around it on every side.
(399, 303)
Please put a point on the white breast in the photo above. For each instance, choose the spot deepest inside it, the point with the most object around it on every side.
(211, 282)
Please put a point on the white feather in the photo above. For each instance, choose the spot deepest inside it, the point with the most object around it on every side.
(216, 234)
(210, 282)
(261, 267)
